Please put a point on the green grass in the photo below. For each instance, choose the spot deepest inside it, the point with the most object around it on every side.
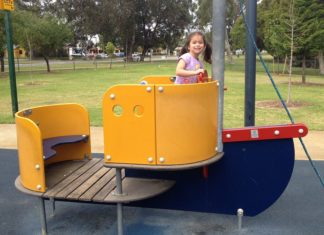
(87, 86)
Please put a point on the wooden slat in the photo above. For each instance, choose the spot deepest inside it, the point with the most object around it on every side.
(109, 187)
(89, 194)
(57, 172)
(76, 194)
(51, 192)
(78, 181)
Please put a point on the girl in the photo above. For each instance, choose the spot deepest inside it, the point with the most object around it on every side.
(189, 66)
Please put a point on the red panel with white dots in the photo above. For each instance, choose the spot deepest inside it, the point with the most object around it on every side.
(265, 132)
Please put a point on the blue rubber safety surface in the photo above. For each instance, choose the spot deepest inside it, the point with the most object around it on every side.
(300, 210)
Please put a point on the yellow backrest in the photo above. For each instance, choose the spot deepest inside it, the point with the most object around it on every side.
(160, 124)
(40, 123)
(186, 122)
(59, 119)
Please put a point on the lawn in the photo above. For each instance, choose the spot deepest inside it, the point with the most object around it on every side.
(87, 86)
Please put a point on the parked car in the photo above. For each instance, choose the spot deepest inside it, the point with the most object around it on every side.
(78, 54)
(135, 57)
(102, 56)
(120, 54)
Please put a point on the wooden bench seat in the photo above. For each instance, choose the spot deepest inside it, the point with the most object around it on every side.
(50, 143)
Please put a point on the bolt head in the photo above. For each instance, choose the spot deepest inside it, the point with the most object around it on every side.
(228, 136)
(37, 166)
(112, 96)
(276, 132)
(108, 157)
(161, 159)
(160, 89)
(148, 89)
(150, 159)
(39, 187)
(301, 131)
(240, 211)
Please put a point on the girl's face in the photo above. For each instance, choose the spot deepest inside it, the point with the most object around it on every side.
(196, 45)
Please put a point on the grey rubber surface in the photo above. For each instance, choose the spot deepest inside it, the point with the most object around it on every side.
(300, 210)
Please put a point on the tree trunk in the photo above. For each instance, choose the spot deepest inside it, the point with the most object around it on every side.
(47, 64)
(292, 19)
(321, 62)
(228, 48)
(284, 66)
(2, 61)
(304, 69)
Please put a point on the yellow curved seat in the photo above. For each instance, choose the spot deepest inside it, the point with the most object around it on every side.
(160, 124)
(40, 123)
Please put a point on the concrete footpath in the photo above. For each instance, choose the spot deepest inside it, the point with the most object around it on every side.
(314, 142)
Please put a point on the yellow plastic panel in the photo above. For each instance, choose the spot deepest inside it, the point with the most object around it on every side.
(186, 122)
(128, 121)
(61, 120)
(30, 152)
(153, 79)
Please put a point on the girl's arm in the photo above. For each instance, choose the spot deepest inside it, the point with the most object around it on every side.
(180, 71)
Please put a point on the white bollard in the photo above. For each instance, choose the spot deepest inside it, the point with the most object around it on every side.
(240, 214)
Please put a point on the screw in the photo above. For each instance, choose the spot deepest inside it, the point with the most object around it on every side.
(112, 96)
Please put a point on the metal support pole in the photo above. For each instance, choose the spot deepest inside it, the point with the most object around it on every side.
(11, 62)
(52, 200)
(119, 191)
(218, 33)
(240, 214)
(43, 216)
(250, 54)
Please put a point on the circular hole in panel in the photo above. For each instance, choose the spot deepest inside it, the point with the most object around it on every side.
(138, 110)
(117, 110)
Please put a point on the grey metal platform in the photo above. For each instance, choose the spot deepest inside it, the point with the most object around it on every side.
(300, 210)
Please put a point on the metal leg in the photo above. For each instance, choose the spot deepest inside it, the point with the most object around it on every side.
(119, 191)
(43, 216)
(52, 200)
(119, 218)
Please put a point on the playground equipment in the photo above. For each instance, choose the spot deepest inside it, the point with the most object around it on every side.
(162, 140)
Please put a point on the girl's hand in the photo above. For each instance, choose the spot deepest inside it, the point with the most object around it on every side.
(198, 71)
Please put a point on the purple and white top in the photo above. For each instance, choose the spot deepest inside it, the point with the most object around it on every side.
(191, 64)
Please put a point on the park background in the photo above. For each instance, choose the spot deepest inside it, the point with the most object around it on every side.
(72, 51)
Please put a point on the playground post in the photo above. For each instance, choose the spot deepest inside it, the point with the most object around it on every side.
(7, 6)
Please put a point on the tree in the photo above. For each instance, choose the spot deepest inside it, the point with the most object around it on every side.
(110, 48)
(238, 35)
(44, 35)
(204, 14)
(308, 29)
(160, 22)
(310, 40)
